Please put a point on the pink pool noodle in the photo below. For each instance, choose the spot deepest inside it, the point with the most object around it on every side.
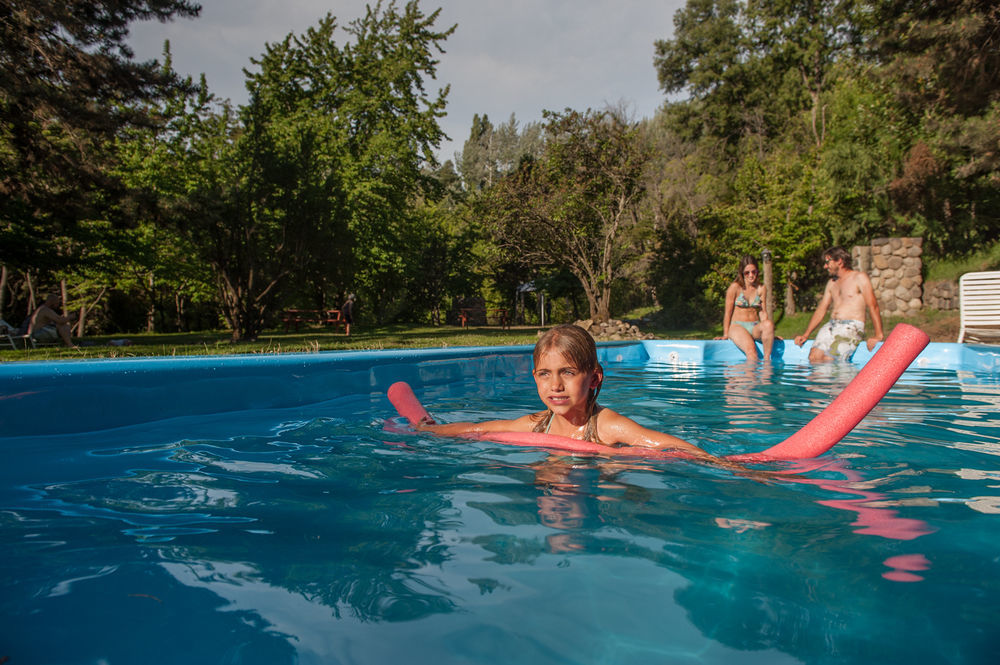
(860, 396)
(819, 435)
(407, 404)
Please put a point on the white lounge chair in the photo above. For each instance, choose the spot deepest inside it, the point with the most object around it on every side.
(979, 303)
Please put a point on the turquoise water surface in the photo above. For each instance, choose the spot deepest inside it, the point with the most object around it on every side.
(274, 510)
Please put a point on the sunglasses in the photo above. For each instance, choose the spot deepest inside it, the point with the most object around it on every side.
(750, 272)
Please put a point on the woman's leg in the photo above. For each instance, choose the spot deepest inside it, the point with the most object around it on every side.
(743, 340)
(764, 331)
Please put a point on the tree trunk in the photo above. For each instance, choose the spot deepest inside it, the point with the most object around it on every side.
(179, 307)
(3, 288)
(151, 312)
(31, 293)
(591, 301)
(81, 325)
(790, 294)
(244, 317)
(769, 283)
(63, 294)
(603, 308)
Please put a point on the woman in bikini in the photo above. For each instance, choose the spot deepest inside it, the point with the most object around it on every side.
(745, 318)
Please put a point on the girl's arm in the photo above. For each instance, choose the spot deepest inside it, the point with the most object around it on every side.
(522, 424)
(762, 290)
(615, 428)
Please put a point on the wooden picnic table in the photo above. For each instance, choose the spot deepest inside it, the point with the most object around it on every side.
(498, 314)
(332, 317)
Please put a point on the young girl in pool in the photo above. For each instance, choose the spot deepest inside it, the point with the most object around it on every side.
(569, 379)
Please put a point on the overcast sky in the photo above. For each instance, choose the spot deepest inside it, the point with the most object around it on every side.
(517, 56)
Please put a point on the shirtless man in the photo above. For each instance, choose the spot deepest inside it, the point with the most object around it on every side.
(851, 292)
(48, 326)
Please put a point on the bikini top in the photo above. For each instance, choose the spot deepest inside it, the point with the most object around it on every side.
(742, 302)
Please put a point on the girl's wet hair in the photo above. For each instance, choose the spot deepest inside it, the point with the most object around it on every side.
(573, 342)
(577, 346)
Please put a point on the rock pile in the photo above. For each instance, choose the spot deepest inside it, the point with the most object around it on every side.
(613, 330)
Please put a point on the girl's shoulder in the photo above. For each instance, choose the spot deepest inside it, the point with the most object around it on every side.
(527, 422)
(524, 423)
(613, 427)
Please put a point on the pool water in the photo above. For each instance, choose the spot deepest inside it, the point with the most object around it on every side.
(331, 533)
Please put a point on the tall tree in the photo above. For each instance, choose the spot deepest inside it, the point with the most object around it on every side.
(68, 85)
(389, 122)
(707, 59)
(942, 64)
(577, 204)
(306, 192)
(941, 54)
(750, 66)
(493, 151)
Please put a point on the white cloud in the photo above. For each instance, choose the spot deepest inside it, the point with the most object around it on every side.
(518, 57)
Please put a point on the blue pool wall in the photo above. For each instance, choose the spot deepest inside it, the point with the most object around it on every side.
(64, 397)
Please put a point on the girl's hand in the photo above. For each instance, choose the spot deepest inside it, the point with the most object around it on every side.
(425, 423)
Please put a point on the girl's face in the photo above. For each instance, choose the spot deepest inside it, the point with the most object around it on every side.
(562, 386)
(750, 273)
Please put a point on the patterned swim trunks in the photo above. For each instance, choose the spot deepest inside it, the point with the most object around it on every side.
(839, 337)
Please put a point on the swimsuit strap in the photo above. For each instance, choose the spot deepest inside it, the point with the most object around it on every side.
(589, 433)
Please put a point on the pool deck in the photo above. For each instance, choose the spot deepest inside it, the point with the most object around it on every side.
(937, 355)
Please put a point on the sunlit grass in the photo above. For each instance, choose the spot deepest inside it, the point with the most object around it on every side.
(277, 341)
(987, 258)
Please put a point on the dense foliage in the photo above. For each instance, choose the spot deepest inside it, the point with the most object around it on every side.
(790, 126)
(830, 122)
(68, 86)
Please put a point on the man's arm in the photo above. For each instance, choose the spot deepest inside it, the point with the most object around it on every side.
(818, 315)
(868, 293)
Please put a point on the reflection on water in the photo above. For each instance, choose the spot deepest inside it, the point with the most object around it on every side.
(341, 539)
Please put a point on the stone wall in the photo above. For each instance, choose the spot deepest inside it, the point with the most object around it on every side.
(941, 295)
(895, 268)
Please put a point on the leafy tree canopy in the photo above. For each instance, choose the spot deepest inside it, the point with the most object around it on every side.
(576, 206)
(68, 84)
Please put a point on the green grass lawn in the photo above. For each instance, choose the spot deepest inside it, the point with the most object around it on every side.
(941, 326)
(278, 341)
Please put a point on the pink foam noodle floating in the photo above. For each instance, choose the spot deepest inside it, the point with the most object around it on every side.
(407, 404)
(860, 396)
(818, 436)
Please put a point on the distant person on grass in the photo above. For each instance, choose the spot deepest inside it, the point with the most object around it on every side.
(45, 325)
(347, 312)
(850, 292)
